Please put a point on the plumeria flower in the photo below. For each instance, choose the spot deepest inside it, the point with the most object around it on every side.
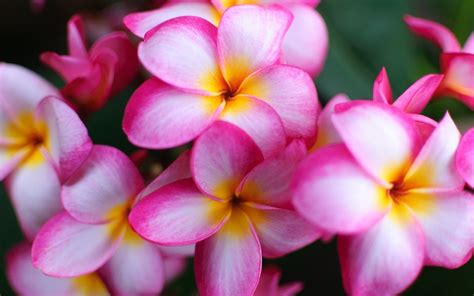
(305, 45)
(236, 208)
(229, 73)
(268, 285)
(412, 102)
(457, 64)
(93, 77)
(93, 232)
(26, 280)
(465, 157)
(42, 142)
(396, 202)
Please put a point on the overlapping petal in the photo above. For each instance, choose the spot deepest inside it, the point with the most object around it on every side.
(306, 43)
(447, 223)
(291, 92)
(68, 142)
(249, 38)
(383, 139)
(419, 94)
(103, 187)
(182, 52)
(230, 261)
(262, 187)
(140, 23)
(333, 192)
(221, 157)
(279, 231)
(178, 214)
(459, 81)
(435, 167)
(465, 157)
(381, 91)
(28, 281)
(65, 247)
(267, 132)
(161, 116)
(386, 259)
(34, 189)
(136, 268)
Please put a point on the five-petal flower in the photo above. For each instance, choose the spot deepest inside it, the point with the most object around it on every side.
(237, 208)
(397, 202)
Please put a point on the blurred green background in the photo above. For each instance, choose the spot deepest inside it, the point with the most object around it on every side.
(364, 36)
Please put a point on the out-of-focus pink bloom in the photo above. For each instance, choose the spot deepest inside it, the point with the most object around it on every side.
(26, 280)
(37, 5)
(465, 157)
(397, 203)
(93, 77)
(305, 44)
(457, 64)
(268, 284)
(93, 232)
(236, 208)
(229, 73)
(42, 142)
(412, 102)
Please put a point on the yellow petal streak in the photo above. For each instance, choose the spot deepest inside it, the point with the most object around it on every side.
(89, 284)
(238, 224)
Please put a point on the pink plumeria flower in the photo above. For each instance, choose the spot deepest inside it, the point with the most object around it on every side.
(268, 285)
(229, 73)
(42, 142)
(93, 77)
(457, 64)
(465, 157)
(305, 44)
(396, 202)
(26, 280)
(93, 232)
(237, 208)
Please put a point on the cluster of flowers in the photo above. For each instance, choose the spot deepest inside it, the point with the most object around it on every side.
(268, 172)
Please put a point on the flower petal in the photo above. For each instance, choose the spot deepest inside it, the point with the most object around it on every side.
(28, 281)
(268, 183)
(259, 120)
(326, 132)
(221, 157)
(279, 231)
(34, 188)
(434, 167)
(306, 42)
(459, 79)
(160, 116)
(469, 44)
(249, 38)
(385, 259)
(182, 52)
(230, 261)
(60, 250)
(174, 267)
(139, 23)
(10, 158)
(68, 67)
(291, 92)
(333, 192)
(68, 141)
(178, 170)
(126, 66)
(417, 96)
(21, 90)
(381, 91)
(382, 139)
(447, 223)
(434, 32)
(76, 37)
(178, 214)
(103, 187)
(136, 268)
(465, 157)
